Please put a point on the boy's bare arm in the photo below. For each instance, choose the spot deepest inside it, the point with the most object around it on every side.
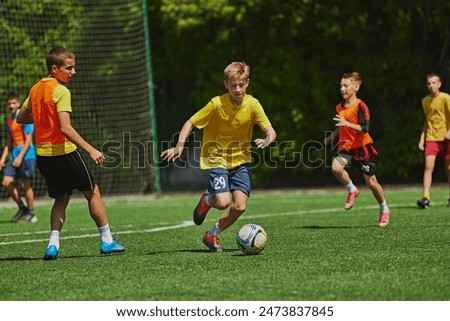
(421, 143)
(175, 152)
(331, 137)
(5, 153)
(25, 116)
(74, 137)
(28, 140)
(342, 122)
(269, 137)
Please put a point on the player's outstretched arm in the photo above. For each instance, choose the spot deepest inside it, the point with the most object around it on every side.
(269, 137)
(175, 152)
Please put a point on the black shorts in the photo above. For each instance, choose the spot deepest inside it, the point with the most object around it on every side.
(367, 167)
(65, 173)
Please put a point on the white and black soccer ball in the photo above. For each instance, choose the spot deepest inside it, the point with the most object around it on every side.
(251, 239)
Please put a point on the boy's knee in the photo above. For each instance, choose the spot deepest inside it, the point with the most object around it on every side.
(7, 181)
(372, 184)
(221, 204)
(337, 167)
(221, 201)
(240, 208)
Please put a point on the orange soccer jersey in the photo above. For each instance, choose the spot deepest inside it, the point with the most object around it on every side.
(46, 99)
(356, 113)
(16, 130)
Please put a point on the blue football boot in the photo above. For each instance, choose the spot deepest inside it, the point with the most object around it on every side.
(51, 253)
(110, 248)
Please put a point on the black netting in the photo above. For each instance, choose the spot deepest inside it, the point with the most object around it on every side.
(110, 93)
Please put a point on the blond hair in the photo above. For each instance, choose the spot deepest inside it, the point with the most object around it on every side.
(237, 70)
(354, 76)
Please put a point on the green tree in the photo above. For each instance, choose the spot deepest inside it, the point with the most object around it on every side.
(298, 51)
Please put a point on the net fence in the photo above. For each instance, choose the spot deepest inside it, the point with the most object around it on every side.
(110, 91)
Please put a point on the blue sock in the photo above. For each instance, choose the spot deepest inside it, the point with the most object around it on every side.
(214, 231)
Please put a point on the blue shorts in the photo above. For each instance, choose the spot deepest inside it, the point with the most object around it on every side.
(25, 171)
(228, 180)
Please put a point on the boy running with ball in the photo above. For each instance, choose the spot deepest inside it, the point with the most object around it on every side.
(227, 122)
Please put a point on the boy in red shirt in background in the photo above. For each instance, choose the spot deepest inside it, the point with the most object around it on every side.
(355, 147)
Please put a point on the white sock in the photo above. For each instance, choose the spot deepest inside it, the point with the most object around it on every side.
(54, 238)
(105, 234)
(384, 207)
(207, 199)
(215, 230)
(351, 187)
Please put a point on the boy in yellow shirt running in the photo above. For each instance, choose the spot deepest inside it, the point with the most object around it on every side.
(227, 122)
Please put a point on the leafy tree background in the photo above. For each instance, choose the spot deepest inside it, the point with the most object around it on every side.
(298, 51)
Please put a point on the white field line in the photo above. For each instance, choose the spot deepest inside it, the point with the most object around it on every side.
(179, 225)
(152, 230)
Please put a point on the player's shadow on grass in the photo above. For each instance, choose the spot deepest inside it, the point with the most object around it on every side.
(246, 255)
(408, 207)
(7, 222)
(21, 258)
(330, 227)
(192, 251)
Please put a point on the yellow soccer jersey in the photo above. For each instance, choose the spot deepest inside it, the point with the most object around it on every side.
(227, 131)
(437, 112)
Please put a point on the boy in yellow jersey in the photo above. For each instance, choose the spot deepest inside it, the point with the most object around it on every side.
(49, 107)
(355, 146)
(227, 122)
(21, 163)
(435, 136)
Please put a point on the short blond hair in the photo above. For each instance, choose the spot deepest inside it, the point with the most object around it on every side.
(354, 76)
(237, 70)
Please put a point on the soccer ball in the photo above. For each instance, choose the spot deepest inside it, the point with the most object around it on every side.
(251, 239)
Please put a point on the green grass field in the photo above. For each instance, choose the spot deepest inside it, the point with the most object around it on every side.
(315, 251)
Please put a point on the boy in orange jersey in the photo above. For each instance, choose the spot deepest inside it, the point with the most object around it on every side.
(435, 136)
(49, 107)
(21, 163)
(355, 147)
(227, 122)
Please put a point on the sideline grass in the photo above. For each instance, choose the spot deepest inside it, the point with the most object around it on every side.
(315, 251)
